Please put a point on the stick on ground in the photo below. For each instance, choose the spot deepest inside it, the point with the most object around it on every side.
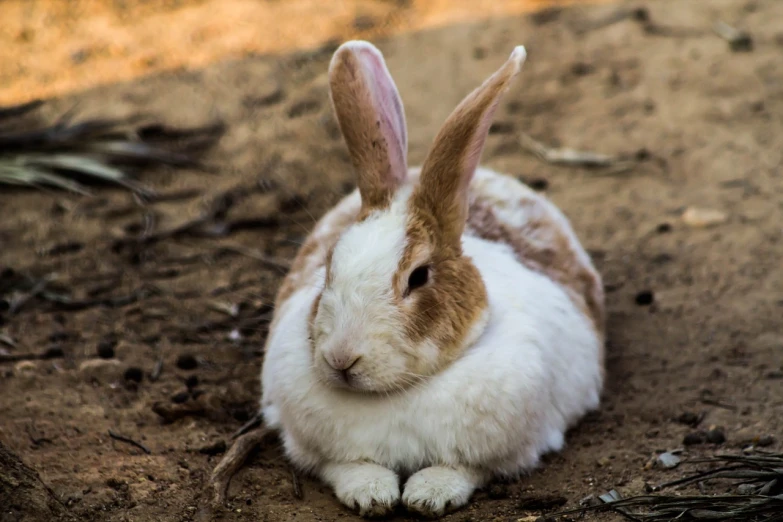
(232, 462)
(130, 441)
(574, 158)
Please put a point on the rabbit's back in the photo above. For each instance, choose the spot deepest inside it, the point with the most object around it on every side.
(504, 210)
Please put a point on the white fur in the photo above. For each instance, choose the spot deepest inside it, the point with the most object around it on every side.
(532, 372)
(357, 324)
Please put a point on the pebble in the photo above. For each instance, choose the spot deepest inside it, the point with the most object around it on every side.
(187, 362)
(53, 352)
(703, 217)
(690, 419)
(716, 436)
(106, 349)
(766, 440)
(697, 437)
(180, 397)
(667, 460)
(133, 374)
(645, 298)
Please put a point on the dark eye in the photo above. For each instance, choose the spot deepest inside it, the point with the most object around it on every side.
(418, 278)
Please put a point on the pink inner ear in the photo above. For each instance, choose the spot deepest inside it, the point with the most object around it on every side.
(389, 108)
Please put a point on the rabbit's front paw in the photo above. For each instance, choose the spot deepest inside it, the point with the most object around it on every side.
(436, 490)
(370, 489)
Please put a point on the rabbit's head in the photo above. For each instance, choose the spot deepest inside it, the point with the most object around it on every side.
(400, 301)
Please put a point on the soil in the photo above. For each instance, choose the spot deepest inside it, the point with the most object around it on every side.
(694, 311)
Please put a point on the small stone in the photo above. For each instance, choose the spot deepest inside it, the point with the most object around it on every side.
(590, 500)
(746, 489)
(667, 460)
(180, 397)
(133, 374)
(697, 437)
(603, 462)
(645, 298)
(690, 419)
(766, 440)
(106, 348)
(53, 352)
(664, 228)
(187, 362)
(539, 184)
(703, 217)
(716, 436)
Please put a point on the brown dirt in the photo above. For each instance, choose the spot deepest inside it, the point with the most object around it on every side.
(707, 120)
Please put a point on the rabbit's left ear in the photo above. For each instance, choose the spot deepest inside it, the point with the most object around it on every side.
(456, 151)
(372, 120)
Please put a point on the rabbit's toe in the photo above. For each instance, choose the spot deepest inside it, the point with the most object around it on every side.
(436, 490)
(370, 489)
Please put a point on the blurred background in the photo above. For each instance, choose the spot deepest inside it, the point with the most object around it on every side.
(161, 162)
(51, 48)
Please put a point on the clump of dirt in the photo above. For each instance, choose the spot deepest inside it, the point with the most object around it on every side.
(141, 389)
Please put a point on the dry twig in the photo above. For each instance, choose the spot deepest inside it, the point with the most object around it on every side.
(232, 461)
(575, 158)
(130, 441)
(760, 476)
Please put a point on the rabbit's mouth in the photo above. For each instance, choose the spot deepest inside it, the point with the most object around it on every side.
(357, 377)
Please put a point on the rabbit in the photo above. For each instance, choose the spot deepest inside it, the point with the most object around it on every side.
(441, 326)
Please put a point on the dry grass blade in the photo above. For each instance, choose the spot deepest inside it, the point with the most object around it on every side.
(72, 155)
(574, 158)
(12, 174)
(759, 476)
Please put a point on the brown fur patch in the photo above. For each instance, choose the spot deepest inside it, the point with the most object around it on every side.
(445, 309)
(554, 257)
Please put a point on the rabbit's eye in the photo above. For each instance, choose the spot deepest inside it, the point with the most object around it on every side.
(418, 278)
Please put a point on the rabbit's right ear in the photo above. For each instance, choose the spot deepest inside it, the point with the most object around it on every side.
(372, 121)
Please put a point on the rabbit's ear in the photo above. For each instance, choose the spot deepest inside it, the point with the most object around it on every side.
(371, 118)
(456, 151)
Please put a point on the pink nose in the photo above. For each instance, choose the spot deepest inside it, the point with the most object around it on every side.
(341, 363)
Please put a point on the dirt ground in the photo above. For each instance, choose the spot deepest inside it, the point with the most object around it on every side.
(694, 312)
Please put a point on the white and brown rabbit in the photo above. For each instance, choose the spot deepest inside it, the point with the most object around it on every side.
(440, 325)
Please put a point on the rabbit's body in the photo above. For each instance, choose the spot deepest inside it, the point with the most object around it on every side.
(448, 398)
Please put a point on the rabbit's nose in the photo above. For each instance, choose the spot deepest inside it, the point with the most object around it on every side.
(342, 362)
